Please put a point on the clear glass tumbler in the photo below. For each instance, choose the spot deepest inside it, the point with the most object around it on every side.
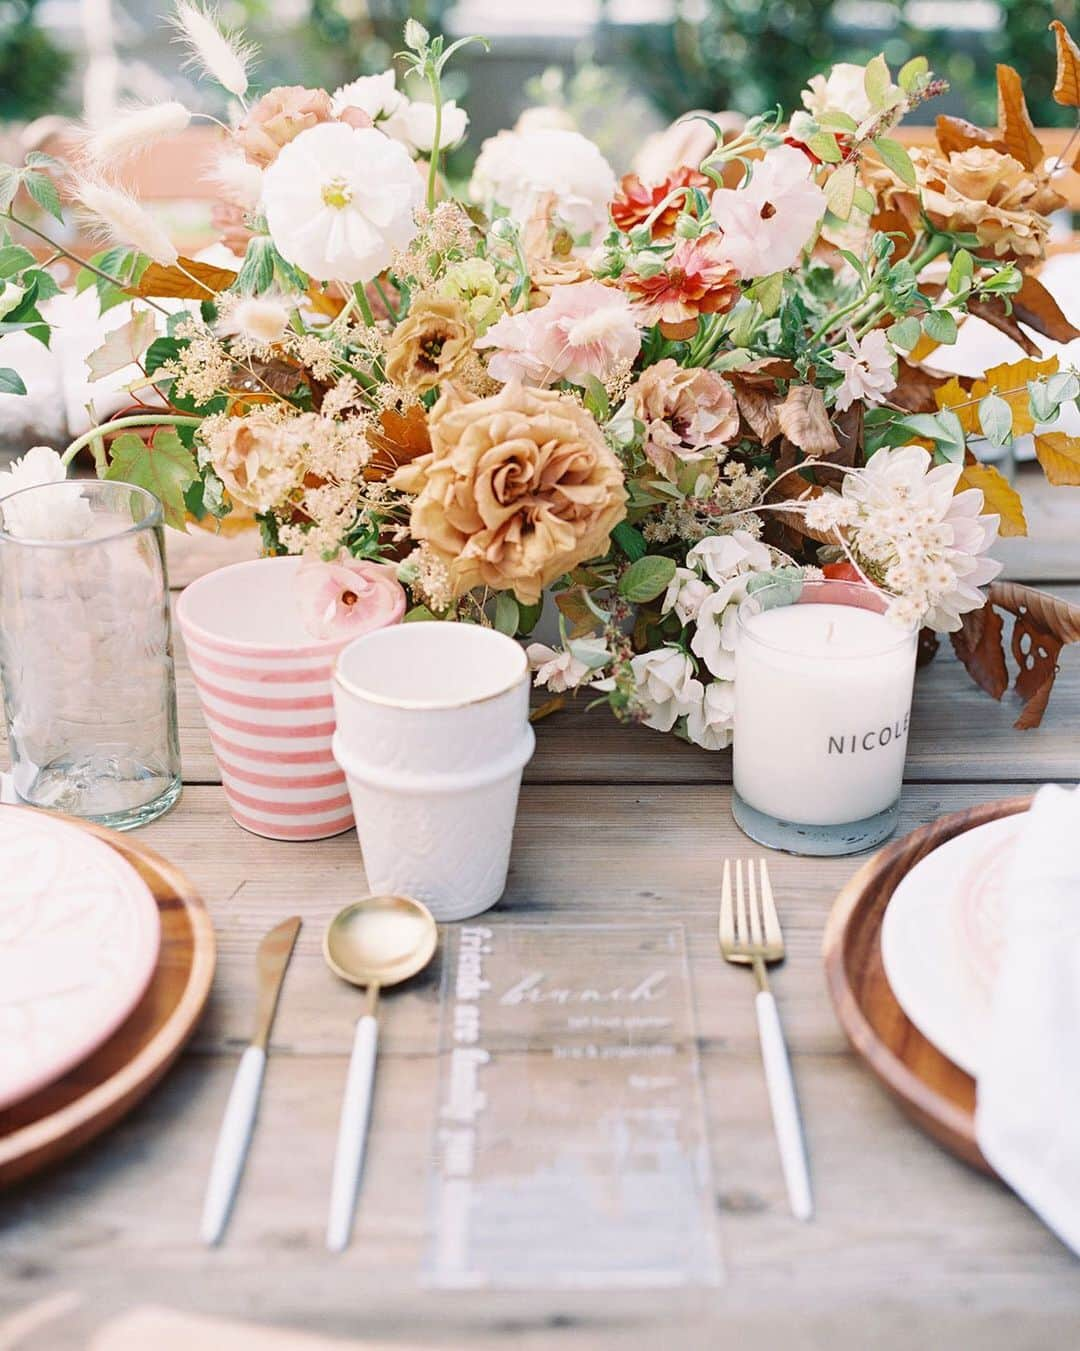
(86, 651)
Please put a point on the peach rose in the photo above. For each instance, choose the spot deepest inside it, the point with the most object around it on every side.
(518, 489)
(687, 411)
(347, 598)
(258, 457)
(979, 191)
(278, 118)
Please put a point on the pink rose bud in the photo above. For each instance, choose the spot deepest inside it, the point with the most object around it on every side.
(346, 599)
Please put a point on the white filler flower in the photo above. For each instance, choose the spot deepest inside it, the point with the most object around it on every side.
(340, 201)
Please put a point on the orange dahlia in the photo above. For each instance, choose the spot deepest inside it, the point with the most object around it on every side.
(698, 279)
(635, 201)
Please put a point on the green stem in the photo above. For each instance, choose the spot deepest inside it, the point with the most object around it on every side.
(61, 252)
(386, 301)
(364, 304)
(436, 141)
(141, 420)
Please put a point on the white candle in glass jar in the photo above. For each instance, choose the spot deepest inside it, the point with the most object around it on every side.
(822, 706)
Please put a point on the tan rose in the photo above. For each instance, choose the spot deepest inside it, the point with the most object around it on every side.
(978, 191)
(258, 457)
(549, 254)
(430, 345)
(518, 489)
(278, 118)
(686, 411)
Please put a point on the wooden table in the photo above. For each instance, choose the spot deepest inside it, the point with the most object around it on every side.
(908, 1246)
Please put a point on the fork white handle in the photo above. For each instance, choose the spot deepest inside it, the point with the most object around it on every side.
(785, 1106)
(232, 1144)
(352, 1134)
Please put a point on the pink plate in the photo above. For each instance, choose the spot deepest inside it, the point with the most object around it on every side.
(79, 938)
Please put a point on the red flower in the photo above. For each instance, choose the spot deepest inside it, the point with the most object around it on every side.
(698, 279)
(635, 200)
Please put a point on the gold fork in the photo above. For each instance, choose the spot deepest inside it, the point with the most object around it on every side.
(750, 936)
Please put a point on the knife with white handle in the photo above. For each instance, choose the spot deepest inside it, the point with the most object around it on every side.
(271, 961)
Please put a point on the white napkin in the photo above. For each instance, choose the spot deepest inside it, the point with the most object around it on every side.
(1027, 1120)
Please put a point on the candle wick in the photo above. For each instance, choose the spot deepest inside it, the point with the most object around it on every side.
(829, 631)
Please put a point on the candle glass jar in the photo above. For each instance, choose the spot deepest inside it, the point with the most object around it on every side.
(86, 651)
(823, 686)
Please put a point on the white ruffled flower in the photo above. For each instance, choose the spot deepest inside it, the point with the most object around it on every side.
(517, 169)
(685, 594)
(376, 95)
(770, 220)
(844, 91)
(557, 671)
(664, 682)
(721, 557)
(339, 201)
(714, 635)
(64, 514)
(869, 370)
(413, 124)
(711, 722)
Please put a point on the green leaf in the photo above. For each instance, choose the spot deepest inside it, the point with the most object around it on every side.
(10, 178)
(43, 191)
(419, 614)
(1043, 407)
(905, 333)
(596, 399)
(835, 120)
(529, 616)
(912, 72)
(897, 158)
(823, 144)
(995, 419)
(783, 587)
(630, 540)
(943, 428)
(768, 292)
(160, 351)
(257, 272)
(646, 579)
(11, 381)
(1064, 387)
(876, 81)
(506, 613)
(840, 191)
(13, 259)
(961, 272)
(940, 326)
(865, 201)
(164, 467)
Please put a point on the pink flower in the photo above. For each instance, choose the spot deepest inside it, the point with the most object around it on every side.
(869, 369)
(343, 600)
(584, 329)
(769, 220)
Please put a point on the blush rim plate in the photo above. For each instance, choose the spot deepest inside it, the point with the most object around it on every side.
(934, 980)
(134, 979)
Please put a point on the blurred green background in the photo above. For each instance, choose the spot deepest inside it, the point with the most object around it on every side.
(619, 67)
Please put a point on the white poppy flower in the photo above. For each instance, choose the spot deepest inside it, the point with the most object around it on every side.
(769, 220)
(557, 671)
(517, 169)
(714, 636)
(721, 557)
(339, 201)
(869, 369)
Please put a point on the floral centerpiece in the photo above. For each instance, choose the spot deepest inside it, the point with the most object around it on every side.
(635, 398)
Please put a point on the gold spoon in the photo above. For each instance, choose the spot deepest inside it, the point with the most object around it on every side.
(376, 942)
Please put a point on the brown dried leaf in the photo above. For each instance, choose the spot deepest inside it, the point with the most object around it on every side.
(805, 421)
(978, 645)
(955, 134)
(580, 620)
(1035, 306)
(280, 376)
(758, 404)
(1044, 625)
(999, 496)
(1067, 84)
(1059, 455)
(1017, 128)
(916, 388)
(792, 488)
(402, 437)
(188, 280)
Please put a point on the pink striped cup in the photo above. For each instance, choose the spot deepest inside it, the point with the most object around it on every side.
(264, 684)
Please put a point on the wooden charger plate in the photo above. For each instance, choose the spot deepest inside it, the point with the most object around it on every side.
(937, 1094)
(58, 1119)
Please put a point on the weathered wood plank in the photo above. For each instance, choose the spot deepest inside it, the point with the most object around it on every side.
(906, 1239)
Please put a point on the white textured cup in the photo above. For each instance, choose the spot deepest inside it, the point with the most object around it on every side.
(433, 734)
